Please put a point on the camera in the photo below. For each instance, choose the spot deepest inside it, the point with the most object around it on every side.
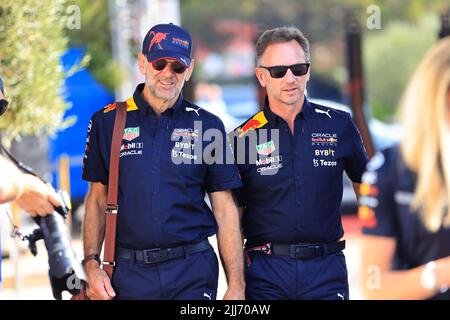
(65, 272)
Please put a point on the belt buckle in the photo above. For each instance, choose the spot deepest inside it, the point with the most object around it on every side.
(298, 251)
(155, 255)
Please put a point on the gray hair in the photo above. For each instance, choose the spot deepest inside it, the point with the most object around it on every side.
(279, 35)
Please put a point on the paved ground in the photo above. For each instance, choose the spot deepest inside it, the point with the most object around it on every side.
(34, 284)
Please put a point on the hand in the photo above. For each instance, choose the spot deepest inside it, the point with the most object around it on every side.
(37, 198)
(99, 285)
(443, 272)
(235, 292)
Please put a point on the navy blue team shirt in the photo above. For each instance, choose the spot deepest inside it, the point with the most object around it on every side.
(161, 203)
(386, 210)
(293, 191)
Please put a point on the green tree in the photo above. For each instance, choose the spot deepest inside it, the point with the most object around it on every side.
(390, 58)
(397, 10)
(32, 41)
(95, 36)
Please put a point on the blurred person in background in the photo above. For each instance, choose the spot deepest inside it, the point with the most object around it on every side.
(209, 96)
(404, 204)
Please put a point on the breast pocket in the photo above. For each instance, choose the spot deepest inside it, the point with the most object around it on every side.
(185, 174)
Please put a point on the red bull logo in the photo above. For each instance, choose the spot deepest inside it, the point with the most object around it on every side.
(194, 135)
(252, 124)
(131, 106)
(181, 132)
(157, 38)
(324, 139)
(181, 42)
(257, 121)
(109, 108)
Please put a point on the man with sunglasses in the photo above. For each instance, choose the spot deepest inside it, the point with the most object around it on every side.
(290, 201)
(162, 248)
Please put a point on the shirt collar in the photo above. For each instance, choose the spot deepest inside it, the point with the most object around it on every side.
(272, 117)
(145, 108)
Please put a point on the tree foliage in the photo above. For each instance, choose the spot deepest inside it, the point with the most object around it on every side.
(95, 36)
(391, 57)
(32, 41)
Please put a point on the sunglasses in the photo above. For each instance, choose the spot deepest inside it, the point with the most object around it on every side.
(177, 66)
(299, 69)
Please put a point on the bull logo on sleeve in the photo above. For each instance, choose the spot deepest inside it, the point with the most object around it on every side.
(257, 121)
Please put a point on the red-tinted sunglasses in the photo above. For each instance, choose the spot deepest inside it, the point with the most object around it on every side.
(177, 66)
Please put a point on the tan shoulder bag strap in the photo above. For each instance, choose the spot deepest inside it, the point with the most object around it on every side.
(113, 185)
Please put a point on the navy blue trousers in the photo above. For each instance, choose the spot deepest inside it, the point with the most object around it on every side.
(283, 278)
(191, 278)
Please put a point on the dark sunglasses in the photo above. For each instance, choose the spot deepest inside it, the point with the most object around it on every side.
(177, 66)
(299, 69)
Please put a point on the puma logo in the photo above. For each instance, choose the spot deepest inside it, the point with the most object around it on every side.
(208, 296)
(192, 109)
(324, 112)
(157, 38)
(340, 296)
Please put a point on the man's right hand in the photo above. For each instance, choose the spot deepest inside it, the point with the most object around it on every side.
(99, 285)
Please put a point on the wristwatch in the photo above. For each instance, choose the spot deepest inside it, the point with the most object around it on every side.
(428, 276)
(94, 256)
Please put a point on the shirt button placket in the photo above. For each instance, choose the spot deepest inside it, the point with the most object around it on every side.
(298, 166)
(156, 155)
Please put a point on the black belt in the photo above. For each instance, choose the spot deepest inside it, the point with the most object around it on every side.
(158, 255)
(297, 251)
